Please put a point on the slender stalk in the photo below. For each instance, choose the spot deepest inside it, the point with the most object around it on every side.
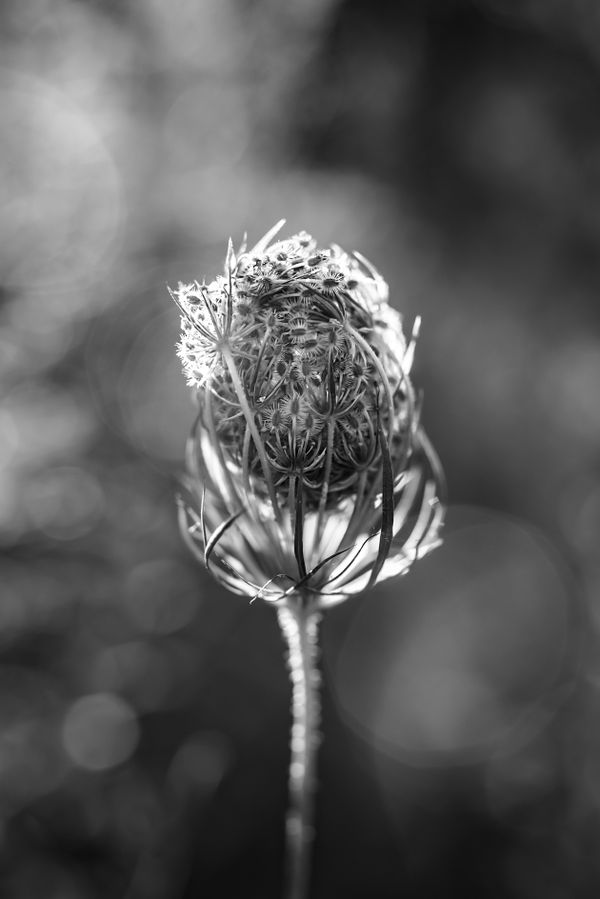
(299, 625)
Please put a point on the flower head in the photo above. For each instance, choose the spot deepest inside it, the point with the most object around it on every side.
(307, 468)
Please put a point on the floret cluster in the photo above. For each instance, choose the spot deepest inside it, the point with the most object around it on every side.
(306, 337)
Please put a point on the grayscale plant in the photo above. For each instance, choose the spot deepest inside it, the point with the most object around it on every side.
(309, 476)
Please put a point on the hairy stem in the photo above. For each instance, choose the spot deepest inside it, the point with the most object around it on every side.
(299, 625)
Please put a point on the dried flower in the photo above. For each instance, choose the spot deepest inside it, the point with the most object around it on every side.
(307, 468)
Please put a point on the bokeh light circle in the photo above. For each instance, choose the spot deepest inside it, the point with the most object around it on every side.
(100, 731)
(444, 665)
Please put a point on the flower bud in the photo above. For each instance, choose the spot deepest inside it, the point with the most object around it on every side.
(307, 468)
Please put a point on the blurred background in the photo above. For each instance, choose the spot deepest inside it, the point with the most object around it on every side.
(143, 711)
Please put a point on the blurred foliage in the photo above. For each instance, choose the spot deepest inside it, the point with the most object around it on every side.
(143, 712)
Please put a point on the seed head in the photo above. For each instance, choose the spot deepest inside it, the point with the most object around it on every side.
(307, 468)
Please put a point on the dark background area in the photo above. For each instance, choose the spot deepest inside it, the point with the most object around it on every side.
(143, 711)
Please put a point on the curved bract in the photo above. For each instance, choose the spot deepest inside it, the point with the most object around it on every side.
(307, 468)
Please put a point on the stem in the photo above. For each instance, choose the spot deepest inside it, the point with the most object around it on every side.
(299, 624)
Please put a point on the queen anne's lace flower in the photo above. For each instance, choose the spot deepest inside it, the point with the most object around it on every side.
(307, 467)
